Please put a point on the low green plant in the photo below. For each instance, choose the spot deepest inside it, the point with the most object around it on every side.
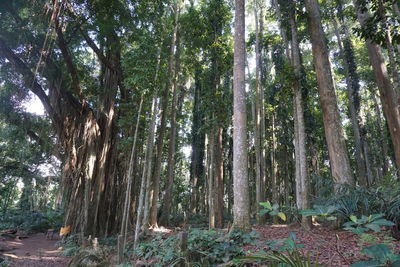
(289, 259)
(285, 252)
(100, 256)
(109, 241)
(272, 210)
(31, 222)
(205, 248)
(326, 213)
(361, 225)
(381, 255)
(70, 245)
(287, 244)
(368, 239)
(4, 262)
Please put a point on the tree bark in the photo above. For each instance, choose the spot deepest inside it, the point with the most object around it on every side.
(167, 201)
(210, 179)
(219, 179)
(302, 177)
(198, 139)
(240, 174)
(139, 227)
(150, 146)
(388, 96)
(88, 138)
(259, 118)
(161, 133)
(390, 49)
(339, 160)
(353, 88)
(129, 175)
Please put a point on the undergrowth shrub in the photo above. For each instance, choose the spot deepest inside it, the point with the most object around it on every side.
(31, 222)
(205, 248)
(70, 245)
(381, 198)
(282, 253)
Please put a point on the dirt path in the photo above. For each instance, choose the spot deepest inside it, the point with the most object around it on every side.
(35, 250)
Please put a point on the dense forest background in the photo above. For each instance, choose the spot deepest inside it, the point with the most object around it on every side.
(169, 112)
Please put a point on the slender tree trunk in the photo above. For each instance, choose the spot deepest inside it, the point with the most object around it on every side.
(149, 162)
(274, 163)
(392, 57)
(210, 179)
(164, 111)
(282, 27)
(353, 87)
(388, 96)
(167, 201)
(240, 174)
(258, 118)
(141, 221)
(129, 175)
(302, 177)
(219, 179)
(339, 160)
(396, 12)
(382, 138)
(198, 138)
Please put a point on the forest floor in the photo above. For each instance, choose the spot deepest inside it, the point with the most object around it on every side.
(35, 250)
(333, 247)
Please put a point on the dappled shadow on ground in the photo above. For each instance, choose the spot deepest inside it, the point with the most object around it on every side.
(35, 250)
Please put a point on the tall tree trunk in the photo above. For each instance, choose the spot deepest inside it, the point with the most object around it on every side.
(258, 118)
(149, 162)
(164, 111)
(353, 87)
(339, 160)
(274, 163)
(198, 139)
(240, 175)
(388, 96)
(210, 179)
(88, 138)
(382, 138)
(167, 201)
(302, 177)
(392, 57)
(129, 175)
(219, 179)
(139, 227)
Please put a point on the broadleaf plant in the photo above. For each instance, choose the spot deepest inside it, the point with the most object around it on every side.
(324, 212)
(272, 210)
(361, 225)
(381, 255)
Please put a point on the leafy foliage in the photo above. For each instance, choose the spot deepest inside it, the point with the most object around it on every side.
(272, 210)
(205, 247)
(92, 257)
(366, 223)
(31, 221)
(380, 254)
(284, 253)
(325, 212)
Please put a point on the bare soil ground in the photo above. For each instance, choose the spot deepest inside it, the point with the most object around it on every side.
(33, 251)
